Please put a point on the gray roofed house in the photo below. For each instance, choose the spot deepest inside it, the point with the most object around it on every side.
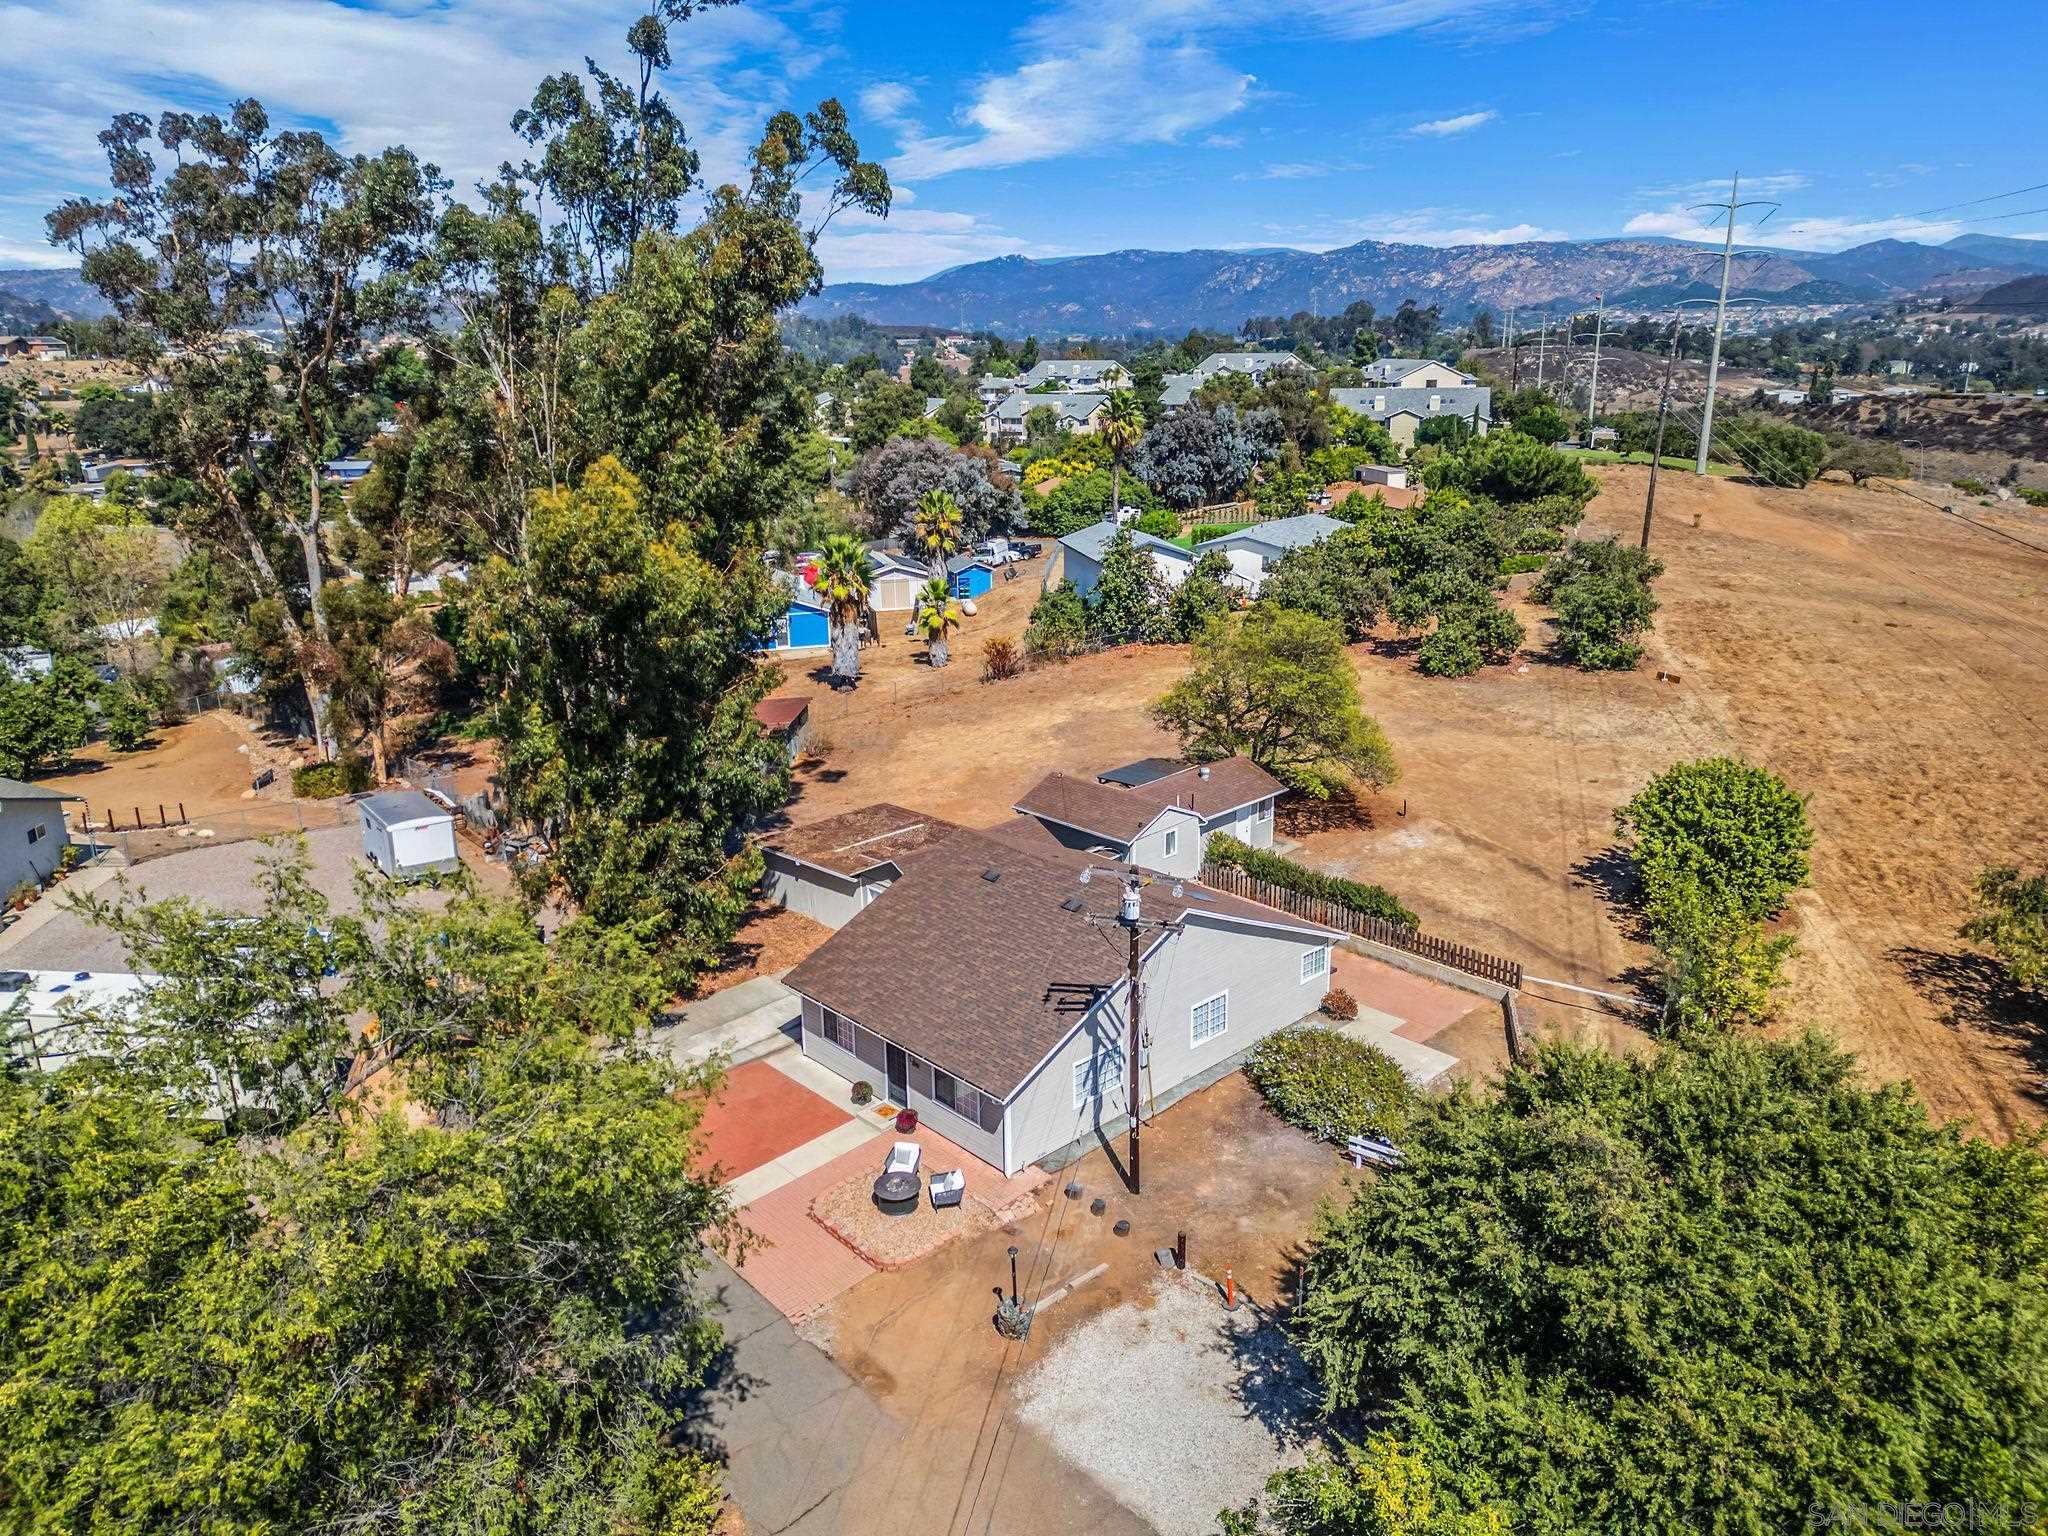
(1401, 411)
(932, 405)
(1257, 364)
(1076, 410)
(1251, 550)
(1177, 389)
(1081, 555)
(1092, 374)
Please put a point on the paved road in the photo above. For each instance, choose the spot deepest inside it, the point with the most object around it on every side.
(790, 1425)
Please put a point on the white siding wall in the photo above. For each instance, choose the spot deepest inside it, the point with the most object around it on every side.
(1148, 850)
(1261, 972)
(1080, 570)
(1246, 824)
(984, 1143)
(893, 593)
(22, 861)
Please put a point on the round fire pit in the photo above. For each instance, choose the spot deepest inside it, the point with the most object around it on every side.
(896, 1193)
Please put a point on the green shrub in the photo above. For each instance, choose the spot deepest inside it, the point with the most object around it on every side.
(1469, 637)
(1352, 895)
(1601, 591)
(323, 781)
(1329, 1084)
(1971, 486)
(1059, 625)
(2031, 496)
(1159, 522)
(1729, 826)
(1515, 565)
(1203, 532)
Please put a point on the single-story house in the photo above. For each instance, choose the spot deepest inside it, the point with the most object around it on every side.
(1258, 364)
(1155, 813)
(1402, 410)
(1415, 373)
(49, 348)
(1251, 550)
(987, 990)
(52, 999)
(786, 719)
(969, 575)
(344, 471)
(829, 870)
(25, 664)
(33, 833)
(1077, 412)
(100, 471)
(1084, 549)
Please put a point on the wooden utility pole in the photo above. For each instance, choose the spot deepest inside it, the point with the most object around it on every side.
(1128, 916)
(1657, 451)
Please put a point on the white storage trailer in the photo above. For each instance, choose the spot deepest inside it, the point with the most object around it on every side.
(407, 835)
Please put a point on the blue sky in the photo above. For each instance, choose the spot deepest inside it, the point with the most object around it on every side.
(1059, 127)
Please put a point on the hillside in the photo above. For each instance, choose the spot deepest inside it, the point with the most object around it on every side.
(52, 293)
(1170, 291)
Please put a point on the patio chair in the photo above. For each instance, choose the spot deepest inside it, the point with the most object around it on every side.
(948, 1188)
(904, 1157)
(896, 1186)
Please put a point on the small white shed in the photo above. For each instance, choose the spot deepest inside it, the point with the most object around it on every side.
(407, 835)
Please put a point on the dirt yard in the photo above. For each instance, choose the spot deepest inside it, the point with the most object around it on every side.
(205, 764)
(1885, 659)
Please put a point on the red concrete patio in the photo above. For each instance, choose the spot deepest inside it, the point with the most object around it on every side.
(1423, 1006)
(759, 1114)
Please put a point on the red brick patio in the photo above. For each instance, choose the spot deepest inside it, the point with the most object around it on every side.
(759, 1114)
(1423, 1006)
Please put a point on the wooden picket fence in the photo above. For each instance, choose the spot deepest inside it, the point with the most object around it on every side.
(1233, 881)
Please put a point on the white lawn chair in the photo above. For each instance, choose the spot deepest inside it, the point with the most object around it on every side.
(904, 1158)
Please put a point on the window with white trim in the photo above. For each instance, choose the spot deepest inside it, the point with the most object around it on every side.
(1098, 1076)
(37, 833)
(837, 1029)
(1208, 1019)
(1315, 964)
(949, 1092)
(1266, 809)
(1172, 841)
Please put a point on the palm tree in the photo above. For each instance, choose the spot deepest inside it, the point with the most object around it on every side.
(844, 575)
(937, 521)
(937, 616)
(1123, 423)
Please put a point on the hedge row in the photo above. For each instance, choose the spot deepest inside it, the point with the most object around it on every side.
(1353, 895)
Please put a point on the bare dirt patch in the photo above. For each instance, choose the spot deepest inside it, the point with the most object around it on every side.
(206, 764)
(1886, 659)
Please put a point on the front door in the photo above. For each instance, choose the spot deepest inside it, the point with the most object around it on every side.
(897, 1065)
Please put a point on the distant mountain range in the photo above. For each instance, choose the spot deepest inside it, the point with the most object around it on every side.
(1169, 291)
(31, 297)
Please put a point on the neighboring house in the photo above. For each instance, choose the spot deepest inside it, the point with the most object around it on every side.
(1142, 812)
(33, 834)
(100, 471)
(1079, 375)
(787, 720)
(803, 625)
(1084, 549)
(1258, 364)
(1078, 413)
(1251, 550)
(53, 999)
(829, 870)
(1900, 367)
(969, 575)
(1785, 396)
(897, 580)
(1176, 390)
(47, 348)
(933, 404)
(986, 989)
(344, 471)
(1415, 373)
(1402, 410)
(24, 664)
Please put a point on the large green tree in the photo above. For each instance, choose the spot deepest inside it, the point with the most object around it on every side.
(1728, 1288)
(1277, 687)
(459, 1299)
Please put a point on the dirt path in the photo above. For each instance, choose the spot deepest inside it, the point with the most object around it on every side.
(1885, 659)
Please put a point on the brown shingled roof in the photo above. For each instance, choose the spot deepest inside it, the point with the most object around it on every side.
(1107, 810)
(777, 715)
(856, 841)
(961, 969)
(1231, 782)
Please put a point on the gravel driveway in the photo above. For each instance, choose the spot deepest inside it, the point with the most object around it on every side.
(1178, 1408)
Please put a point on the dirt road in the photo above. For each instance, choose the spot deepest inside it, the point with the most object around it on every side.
(1885, 659)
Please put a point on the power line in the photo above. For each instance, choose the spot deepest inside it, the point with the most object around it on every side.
(1995, 197)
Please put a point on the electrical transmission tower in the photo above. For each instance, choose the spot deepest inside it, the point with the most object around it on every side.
(1731, 208)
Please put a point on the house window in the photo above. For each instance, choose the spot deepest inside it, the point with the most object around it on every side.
(1266, 810)
(838, 1030)
(955, 1095)
(1208, 1020)
(1097, 1076)
(37, 833)
(1172, 841)
(1315, 964)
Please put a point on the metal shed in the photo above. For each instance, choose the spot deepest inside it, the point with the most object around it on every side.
(407, 835)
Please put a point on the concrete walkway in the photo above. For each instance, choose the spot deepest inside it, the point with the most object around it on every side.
(789, 1424)
(90, 876)
(746, 1022)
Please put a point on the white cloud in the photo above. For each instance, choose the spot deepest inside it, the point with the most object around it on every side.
(1773, 185)
(1094, 79)
(18, 253)
(1296, 170)
(1813, 234)
(1415, 226)
(914, 243)
(1223, 141)
(886, 101)
(1447, 127)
